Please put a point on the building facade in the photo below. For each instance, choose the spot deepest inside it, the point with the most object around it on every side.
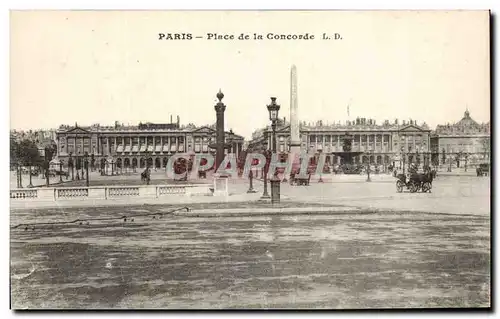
(463, 142)
(381, 144)
(132, 146)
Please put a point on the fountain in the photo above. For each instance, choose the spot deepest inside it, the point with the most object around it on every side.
(347, 155)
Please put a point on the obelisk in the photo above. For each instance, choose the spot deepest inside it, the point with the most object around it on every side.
(294, 119)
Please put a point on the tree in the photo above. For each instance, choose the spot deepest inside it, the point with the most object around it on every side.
(27, 154)
(485, 143)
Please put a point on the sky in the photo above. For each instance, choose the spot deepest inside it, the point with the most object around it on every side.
(106, 66)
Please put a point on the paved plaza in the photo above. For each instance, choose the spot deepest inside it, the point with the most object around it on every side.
(378, 248)
(343, 261)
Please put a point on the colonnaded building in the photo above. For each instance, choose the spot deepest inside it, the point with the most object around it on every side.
(382, 144)
(131, 146)
(464, 142)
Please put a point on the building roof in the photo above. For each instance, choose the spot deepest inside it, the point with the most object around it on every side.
(466, 126)
(190, 128)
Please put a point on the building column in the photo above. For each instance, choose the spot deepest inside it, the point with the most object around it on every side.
(176, 144)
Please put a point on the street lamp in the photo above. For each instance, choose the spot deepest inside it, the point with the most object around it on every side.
(466, 157)
(321, 168)
(403, 156)
(71, 165)
(148, 177)
(47, 167)
(273, 109)
(60, 171)
(82, 165)
(368, 179)
(265, 194)
(403, 138)
(86, 164)
(78, 164)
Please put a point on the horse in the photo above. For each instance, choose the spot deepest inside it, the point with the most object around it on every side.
(421, 178)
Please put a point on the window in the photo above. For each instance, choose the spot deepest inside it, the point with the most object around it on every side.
(312, 138)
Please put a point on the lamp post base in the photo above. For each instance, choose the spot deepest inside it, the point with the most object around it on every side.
(275, 190)
(265, 196)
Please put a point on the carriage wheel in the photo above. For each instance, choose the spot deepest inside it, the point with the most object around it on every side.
(399, 186)
(413, 187)
(427, 185)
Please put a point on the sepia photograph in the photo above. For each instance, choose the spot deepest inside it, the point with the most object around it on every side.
(201, 160)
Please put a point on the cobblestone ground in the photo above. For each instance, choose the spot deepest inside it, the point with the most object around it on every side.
(364, 260)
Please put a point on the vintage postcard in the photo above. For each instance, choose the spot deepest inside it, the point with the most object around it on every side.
(250, 159)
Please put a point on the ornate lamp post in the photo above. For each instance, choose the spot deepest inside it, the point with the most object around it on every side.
(321, 171)
(47, 167)
(82, 165)
(220, 108)
(368, 179)
(273, 109)
(148, 177)
(417, 157)
(265, 194)
(19, 176)
(403, 156)
(60, 171)
(250, 188)
(86, 164)
(78, 164)
(466, 157)
(71, 165)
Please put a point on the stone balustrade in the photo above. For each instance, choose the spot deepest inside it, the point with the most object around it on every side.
(109, 192)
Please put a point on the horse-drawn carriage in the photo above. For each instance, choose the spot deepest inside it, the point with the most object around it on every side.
(414, 182)
(483, 170)
(298, 180)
